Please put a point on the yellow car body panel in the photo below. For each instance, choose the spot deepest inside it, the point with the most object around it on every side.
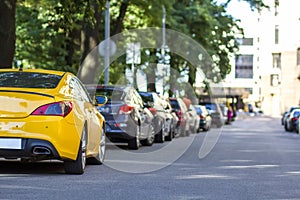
(64, 133)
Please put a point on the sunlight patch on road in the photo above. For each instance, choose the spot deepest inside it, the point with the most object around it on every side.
(242, 161)
(249, 166)
(18, 187)
(295, 172)
(291, 173)
(252, 150)
(205, 176)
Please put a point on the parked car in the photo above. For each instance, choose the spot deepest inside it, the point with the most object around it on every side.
(287, 115)
(163, 118)
(204, 116)
(181, 111)
(174, 117)
(127, 120)
(216, 113)
(194, 119)
(283, 117)
(292, 120)
(49, 115)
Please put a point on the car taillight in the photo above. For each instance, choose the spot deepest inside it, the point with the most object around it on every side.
(201, 117)
(153, 111)
(294, 118)
(180, 117)
(62, 108)
(125, 109)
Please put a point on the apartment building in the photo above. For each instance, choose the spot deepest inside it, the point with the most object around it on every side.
(265, 71)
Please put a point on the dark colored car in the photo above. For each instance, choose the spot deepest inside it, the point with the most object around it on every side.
(292, 120)
(283, 117)
(216, 113)
(181, 111)
(127, 120)
(205, 118)
(287, 115)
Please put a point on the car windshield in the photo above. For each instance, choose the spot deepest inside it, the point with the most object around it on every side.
(111, 94)
(29, 80)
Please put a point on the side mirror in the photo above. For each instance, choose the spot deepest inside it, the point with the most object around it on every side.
(101, 100)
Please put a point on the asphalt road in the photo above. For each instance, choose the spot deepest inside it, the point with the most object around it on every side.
(253, 158)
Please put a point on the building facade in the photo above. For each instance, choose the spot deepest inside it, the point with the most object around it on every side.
(265, 71)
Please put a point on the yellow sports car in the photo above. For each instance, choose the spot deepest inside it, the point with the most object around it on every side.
(47, 114)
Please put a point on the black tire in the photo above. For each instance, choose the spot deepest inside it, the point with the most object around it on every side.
(187, 133)
(99, 158)
(134, 143)
(285, 127)
(170, 136)
(159, 137)
(150, 140)
(78, 166)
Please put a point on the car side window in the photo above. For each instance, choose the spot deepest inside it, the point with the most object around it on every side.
(137, 99)
(81, 91)
(128, 96)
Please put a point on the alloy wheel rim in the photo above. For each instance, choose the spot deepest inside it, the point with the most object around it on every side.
(83, 147)
(102, 147)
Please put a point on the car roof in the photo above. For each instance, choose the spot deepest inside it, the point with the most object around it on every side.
(46, 71)
(108, 87)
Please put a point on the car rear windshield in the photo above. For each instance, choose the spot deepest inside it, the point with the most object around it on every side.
(111, 94)
(210, 106)
(29, 80)
(147, 97)
(174, 103)
(198, 110)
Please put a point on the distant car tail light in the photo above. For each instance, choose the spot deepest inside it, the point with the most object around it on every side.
(62, 108)
(180, 117)
(294, 118)
(125, 109)
(201, 116)
(153, 111)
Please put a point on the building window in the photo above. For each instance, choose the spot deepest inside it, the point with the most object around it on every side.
(244, 66)
(276, 4)
(276, 60)
(245, 41)
(298, 56)
(276, 34)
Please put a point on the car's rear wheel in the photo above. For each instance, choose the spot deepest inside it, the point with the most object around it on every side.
(159, 137)
(99, 158)
(170, 136)
(150, 139)
(134, 143)
(78, 166)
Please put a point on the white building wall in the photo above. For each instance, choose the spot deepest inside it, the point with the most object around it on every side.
(261, 27)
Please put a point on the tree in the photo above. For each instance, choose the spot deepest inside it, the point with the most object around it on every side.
(7, 32)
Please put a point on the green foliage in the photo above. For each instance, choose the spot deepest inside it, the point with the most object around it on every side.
(49, 32)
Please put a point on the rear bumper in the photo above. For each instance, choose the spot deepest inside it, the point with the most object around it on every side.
(32, 149)
(51, 131)
(121, 131)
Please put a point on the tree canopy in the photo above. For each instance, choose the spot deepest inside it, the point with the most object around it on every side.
(58, 34)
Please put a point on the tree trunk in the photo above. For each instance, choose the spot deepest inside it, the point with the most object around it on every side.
(151, 87)
(119, 23)
(7, 32)
(90, 39)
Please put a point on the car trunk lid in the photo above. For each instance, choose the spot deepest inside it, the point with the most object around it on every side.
(21, 103)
